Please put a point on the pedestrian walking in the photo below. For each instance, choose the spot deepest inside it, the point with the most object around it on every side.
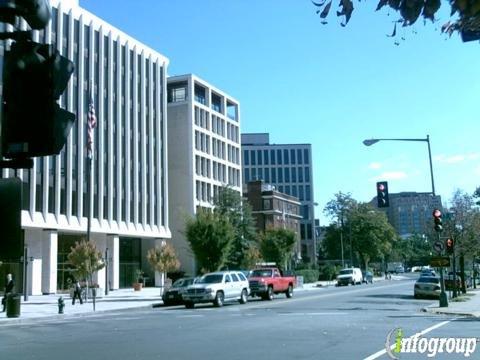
(77, 292)
(8, 290)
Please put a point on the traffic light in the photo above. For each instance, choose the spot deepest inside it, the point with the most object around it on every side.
(34, 77)
(437, 219)
(449, 244)
(36, 13)
(382, 194)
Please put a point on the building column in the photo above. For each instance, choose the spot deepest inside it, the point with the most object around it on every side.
(101, 243)
(49, 261)
(113, 245)
(33, 242)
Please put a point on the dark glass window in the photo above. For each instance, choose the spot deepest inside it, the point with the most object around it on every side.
(307, 174)
(247, 175)
(265, 157)
(280, 175)
(252, 156)
(200, 94)
(259, 157)
(292, 156)
(272, 156)
(306, 157)
(307, 192)
(300, 174)
(286, 157)
(267, 175)
(299, 156)
(246, 159)
(300, 193)
(287, 175)
(279, 156)
(274, 175)
(294, 175)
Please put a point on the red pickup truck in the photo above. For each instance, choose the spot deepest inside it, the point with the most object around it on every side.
(265, 282)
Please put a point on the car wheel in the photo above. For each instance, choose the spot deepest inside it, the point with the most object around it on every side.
(243, 297)
(189, 304)
(219, 298)
(289, 292)
(270, 293)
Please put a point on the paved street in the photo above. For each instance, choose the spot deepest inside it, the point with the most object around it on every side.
(331, 323)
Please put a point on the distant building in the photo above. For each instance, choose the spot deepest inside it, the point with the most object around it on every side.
(289, 168)
(203, 152)
(411, 212)
(273, 209)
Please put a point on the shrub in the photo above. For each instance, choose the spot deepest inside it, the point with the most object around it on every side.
(309, 276)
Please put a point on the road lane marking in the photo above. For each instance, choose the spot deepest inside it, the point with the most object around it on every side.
(384, 351)
(313, 314)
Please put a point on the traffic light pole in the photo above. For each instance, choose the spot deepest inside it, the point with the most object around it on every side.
(443, 302)
(454, 269)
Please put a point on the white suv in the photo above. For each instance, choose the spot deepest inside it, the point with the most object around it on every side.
(218, 287)
(349, 276)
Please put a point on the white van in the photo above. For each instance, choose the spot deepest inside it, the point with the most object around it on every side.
(349, 276)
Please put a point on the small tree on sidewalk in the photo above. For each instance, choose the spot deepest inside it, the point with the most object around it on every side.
(163, 259)
(87, 260)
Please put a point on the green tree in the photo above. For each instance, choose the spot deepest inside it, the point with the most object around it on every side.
(163, 259)
(86, 260)
(210, 235)
(462, 223)
(338, 209)
(464, 14)
(277, 245)
(372, 235)
(229, 203)
(415, 250)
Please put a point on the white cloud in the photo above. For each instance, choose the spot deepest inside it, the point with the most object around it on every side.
(390, 175)
(375, 166)
(455, 159)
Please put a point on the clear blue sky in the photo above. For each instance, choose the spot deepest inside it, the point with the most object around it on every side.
(304, 82)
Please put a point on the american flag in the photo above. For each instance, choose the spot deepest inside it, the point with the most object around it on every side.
(91, 124)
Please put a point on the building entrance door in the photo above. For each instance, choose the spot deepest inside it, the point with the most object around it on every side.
(130, 260)
(65, 273)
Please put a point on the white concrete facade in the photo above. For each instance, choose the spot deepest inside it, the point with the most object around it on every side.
(203, 152)
(129, 174)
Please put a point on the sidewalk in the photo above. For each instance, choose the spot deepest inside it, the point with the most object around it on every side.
(45, 307)
(470, 307)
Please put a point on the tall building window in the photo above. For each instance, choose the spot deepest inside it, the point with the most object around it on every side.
(177, 92)
(285, 157)
(279, 156)
(200, 94)
(259, 157)
(287, 175)
(300, 193)
(265, 157)
(247, 175)
(307, 174)
(300, 174)
(307, 192)
(299, 156)
(280, 175)
(272, 156)
(267, 175)
(306, 157)
(294, 174)
(274, 175)
(292, 156)
(252, 156)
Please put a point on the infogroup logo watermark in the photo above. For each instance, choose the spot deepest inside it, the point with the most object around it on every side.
(397, 344)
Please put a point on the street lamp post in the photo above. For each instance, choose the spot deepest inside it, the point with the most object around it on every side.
(443, 296)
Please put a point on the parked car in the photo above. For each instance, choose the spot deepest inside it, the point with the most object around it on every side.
(218, 287)
(348, 276)
(427, 272)
(367, 277)
(399, 270)
(265, 282)
(426, 286)
(174, 295)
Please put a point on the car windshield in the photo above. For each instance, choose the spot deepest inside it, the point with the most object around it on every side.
(211, 279)
(182, 282)
(431, 280)
(261, 273)
(346, 272)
